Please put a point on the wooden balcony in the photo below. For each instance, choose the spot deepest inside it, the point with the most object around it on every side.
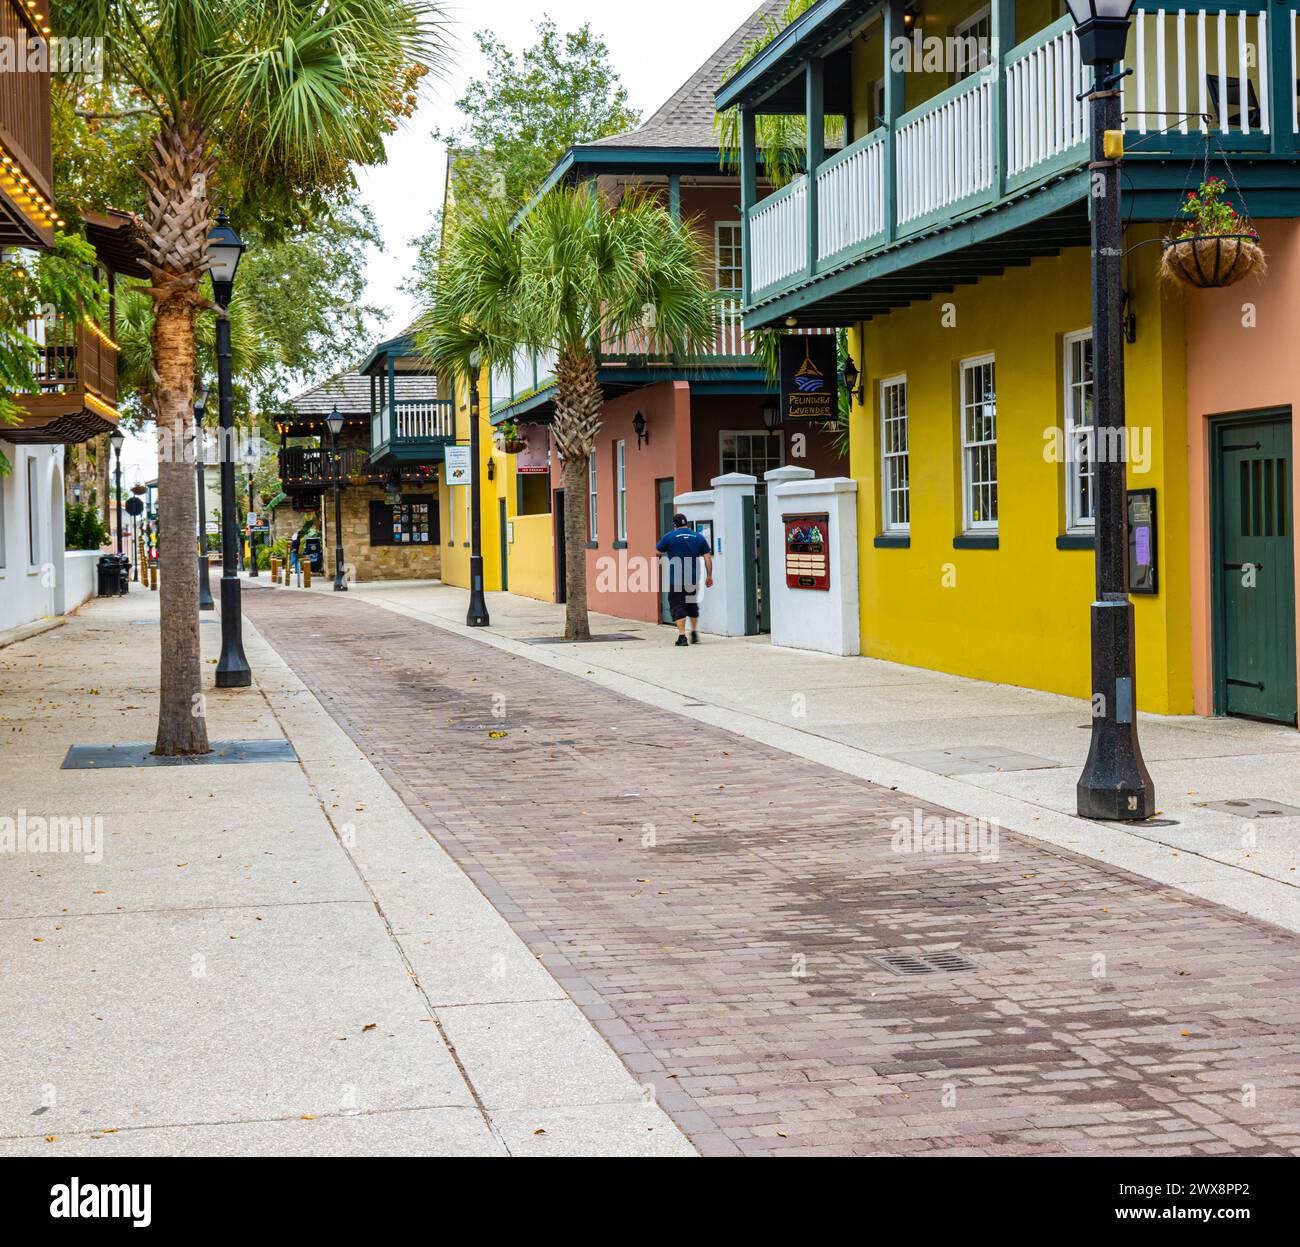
(305, 470)
(410, 430)
(27, 214)
(998, 160)
(77, 372)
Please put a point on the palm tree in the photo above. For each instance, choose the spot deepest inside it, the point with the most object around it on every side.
(572, 275)
(265, 103)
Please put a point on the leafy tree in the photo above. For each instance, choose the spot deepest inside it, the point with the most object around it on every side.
(520, 118)
(266, 104)
(574, 273)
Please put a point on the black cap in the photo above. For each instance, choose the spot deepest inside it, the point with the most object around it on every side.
(680, 521)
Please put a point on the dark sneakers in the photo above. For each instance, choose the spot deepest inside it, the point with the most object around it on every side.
(681, 640)
(695, 638)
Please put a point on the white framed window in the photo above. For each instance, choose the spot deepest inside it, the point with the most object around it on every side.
(728, 272)
(1080, 434)
(593, 496)
(972, 47)
(620, 490)
(33, 514)
(979, 445)
(894, 496)
(752, 451)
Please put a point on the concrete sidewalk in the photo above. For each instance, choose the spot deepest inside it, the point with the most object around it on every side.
(267, 959)
(984, 750)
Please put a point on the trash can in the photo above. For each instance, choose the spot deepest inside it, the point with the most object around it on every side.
(107, 576)
(311, 550)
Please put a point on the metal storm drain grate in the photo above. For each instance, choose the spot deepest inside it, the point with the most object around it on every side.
(910, 964)
(1252, 807)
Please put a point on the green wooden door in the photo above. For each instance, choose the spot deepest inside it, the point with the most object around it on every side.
(1254, 566)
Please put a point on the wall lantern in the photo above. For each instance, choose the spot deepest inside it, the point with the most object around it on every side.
(1102, 27)
(638, 427)
(491, 468)
(851, 378)
(771, 415)
(911, 18)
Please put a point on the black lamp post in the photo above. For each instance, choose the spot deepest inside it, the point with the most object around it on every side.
(224, 250)
(117, 437)
(477, 616)
(1115, 783)
(250, 456)
(335, 422)
(205, 584)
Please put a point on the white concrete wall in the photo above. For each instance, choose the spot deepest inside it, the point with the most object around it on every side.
(817, 619)
(31, 589)
(80, 577)
(722, 608)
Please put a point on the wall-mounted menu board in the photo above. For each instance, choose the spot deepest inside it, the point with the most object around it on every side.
(411, 522)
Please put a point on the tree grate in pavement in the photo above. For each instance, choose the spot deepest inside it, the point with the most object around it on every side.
(911, 964)
(224, 753)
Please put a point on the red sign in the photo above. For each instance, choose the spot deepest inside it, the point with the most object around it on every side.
(535, 460)
(807, 551)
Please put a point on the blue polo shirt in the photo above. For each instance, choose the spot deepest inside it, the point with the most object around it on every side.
(683, 548)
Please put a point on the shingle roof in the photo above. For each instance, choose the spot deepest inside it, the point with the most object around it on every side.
(686, 119)
(350, 393)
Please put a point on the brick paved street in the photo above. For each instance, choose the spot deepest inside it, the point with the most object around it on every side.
(711, 904)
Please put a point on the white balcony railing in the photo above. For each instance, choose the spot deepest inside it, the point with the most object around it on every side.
(1200, 66)
(851, 196)
(1045, 119)
(945, 150)
(416, 419)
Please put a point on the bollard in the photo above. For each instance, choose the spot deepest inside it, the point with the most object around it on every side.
(306, 574)
(275, 569)
(153, 576)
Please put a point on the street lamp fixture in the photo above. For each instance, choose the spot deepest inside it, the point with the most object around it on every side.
(638, 427)
(200, 411)
(334, 421)
(771, 415)
(117, 438)
(224, 251)
(1115, 784)
(1102, 27)
(477, 615)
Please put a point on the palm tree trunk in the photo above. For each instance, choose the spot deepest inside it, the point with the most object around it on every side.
(578, 403)
(182, 727)
(577, 627)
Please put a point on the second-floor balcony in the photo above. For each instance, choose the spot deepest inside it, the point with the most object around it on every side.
(1222, 73)
(639, 356)
(304, 469)
(27, 212)
(411, 430)
(76, 370)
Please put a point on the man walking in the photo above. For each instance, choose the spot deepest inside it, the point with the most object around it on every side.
(682, 549)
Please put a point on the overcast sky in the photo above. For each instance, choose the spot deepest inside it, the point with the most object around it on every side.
(653, 47)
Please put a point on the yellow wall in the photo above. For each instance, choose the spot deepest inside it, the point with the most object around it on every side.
(531, 554)
(1018, 614)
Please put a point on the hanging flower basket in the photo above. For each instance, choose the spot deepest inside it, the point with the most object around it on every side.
(1207, 261)
(511, 445)
(1215, 246)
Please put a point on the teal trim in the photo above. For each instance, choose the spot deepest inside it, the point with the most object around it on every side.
(974, 541)
(675, 197)
(1075, 541)
(815, 146)
(892, 541)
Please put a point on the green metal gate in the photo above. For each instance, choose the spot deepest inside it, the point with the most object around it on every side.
(1254, 568)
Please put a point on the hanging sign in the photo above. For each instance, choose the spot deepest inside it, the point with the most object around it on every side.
(807, 551)
(535, 458)
(460, 467)
(809, 380)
